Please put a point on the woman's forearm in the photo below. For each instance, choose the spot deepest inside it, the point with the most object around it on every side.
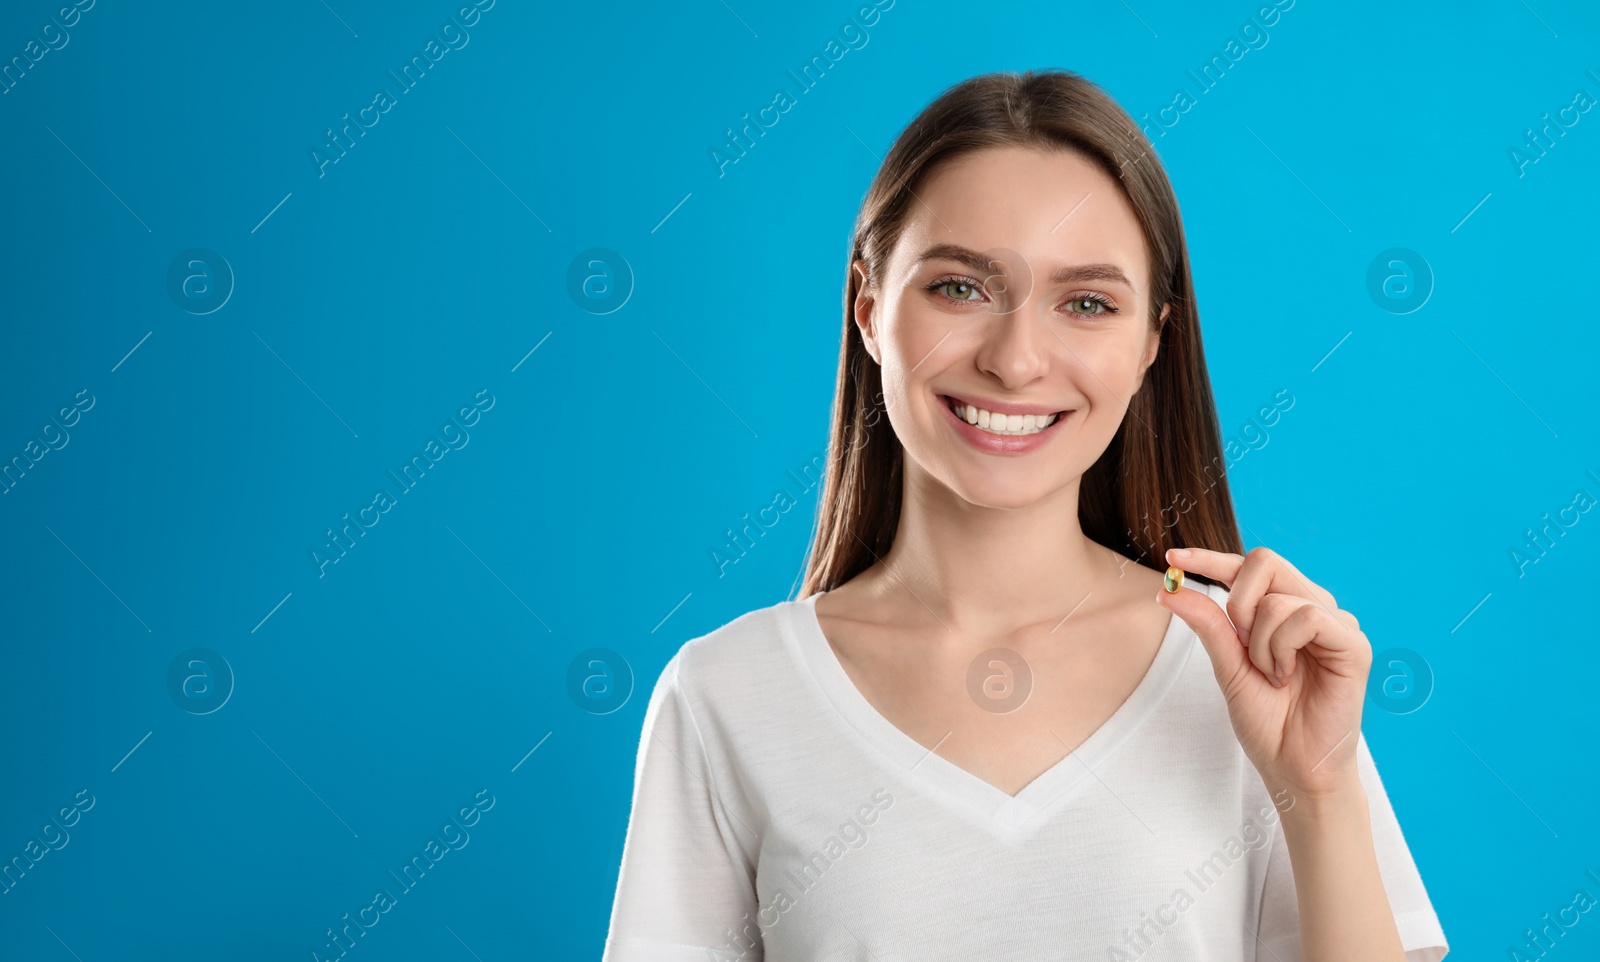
(1344, 911)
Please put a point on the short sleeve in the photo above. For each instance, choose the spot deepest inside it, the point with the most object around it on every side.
(1278, 934)
(686, 878)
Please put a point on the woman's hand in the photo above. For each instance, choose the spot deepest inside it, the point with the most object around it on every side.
(1301, 734)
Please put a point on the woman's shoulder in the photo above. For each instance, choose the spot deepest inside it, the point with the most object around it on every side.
(740, 658)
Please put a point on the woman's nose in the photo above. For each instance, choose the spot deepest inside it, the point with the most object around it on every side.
(1016, 347)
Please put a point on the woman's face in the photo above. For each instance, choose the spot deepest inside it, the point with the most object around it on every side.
(1020, 287)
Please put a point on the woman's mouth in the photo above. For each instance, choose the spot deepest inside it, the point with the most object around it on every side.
(1003, 425)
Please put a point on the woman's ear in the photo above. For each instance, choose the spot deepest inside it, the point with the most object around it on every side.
(862, 311)
(1152, 345)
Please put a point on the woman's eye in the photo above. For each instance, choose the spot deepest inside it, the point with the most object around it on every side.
(1087, 305)
(958, 290)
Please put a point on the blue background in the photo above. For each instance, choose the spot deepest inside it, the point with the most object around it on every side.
(370, 703)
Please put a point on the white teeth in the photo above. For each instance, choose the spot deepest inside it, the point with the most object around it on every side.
(1002, 423)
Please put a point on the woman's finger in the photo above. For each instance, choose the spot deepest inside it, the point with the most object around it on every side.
(1339, 649)
(1248, 578)
(1264, 571)
(1285, 577)
(1271, 613)
(1229, 658)
(1220, 566)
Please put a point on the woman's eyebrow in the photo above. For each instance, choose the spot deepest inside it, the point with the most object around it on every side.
(1091, 272)
(1062, 275)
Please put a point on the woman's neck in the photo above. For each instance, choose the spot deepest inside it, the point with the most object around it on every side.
(989, 571)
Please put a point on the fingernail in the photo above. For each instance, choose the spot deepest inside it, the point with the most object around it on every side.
(1180, 552)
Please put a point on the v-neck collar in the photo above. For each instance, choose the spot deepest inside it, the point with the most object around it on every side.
(1011, 817)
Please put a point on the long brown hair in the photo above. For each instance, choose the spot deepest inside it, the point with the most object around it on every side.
(1161, 482)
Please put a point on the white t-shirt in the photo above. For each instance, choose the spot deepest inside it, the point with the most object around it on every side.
(778, 816)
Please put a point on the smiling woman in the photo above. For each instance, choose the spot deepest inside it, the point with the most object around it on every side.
(982, 629)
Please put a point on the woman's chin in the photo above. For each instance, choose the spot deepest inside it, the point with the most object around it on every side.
(990, 492)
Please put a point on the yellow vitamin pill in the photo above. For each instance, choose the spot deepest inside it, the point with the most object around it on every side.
(1173, 579)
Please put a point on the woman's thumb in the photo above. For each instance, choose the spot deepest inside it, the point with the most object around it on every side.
(1228, 654)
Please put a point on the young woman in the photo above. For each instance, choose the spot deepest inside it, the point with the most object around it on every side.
(985, 729)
